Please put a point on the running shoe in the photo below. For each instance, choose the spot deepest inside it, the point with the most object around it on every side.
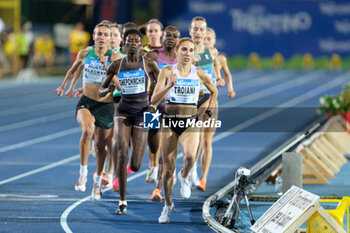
(156, 195)
(96, 190)
(109, 178)
(128, 169)
(105, 181)
(165, 216)
(81, 184)
(121, 210)
(202, 185)
(194, 176)
(116, 185)
(153, 174)
(185, 190)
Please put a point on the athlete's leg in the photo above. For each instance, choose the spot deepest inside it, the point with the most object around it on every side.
(123, 129)
(207, 152)
(189, 141)
(153, 155)
(102, 140)
(169, 141)
(86, 121)
(139, 140)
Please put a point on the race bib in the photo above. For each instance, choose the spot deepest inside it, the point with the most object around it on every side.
(132, 82)
(185, 91)
(93, 71)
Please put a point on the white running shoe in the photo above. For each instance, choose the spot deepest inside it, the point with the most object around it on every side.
(110, 180)
(153, 174)
(193, 176)
(81, 184)
(165, 216)
(185, 190)
(96, 190)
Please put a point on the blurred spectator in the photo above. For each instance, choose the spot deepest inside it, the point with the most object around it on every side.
(143, 29)
(44, 51)
(4, 63)
(2, 25)
(23, 46)
(9, 45)
(78, 40)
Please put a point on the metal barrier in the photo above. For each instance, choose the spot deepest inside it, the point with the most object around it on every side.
(259, 173)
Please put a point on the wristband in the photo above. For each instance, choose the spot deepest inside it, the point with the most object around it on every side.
(153, 106)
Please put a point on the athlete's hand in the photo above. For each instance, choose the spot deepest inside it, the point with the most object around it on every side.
(59, 91)
(231, 93)
(220, 82)
(201, 94)
(196, 58)
(203, 117)
(103, 60)
(111, 87)
(69, 93)
(173, 79)
(78, 93)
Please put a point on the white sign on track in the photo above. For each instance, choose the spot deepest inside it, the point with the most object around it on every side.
(285, 211)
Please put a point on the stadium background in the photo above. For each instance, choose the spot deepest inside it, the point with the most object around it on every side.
(256, 34)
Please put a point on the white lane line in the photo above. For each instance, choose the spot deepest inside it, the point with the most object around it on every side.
(40, 139)
(64, 216)
(21, 196)
(37, 120)
(29, 122)
(32, 172)
(273, 90)
(32, 108)
(299, 99)
(233, 130)
(258, 81)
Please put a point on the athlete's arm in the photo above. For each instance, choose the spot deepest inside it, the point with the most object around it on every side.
(153, 71)
(205, 79)
(77, 75)
(107, 84)
(161, 88)
(214, 54)
(152, 55)
(75, 71)
(69, 75)
(227, 74)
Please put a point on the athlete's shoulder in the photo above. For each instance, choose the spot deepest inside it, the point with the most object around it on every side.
(153, 54)
(222, 57)
(83, 53)
(213, 51)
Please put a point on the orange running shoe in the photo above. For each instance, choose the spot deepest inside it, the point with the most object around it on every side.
(202, 184)
(156, 195)
(105, 181)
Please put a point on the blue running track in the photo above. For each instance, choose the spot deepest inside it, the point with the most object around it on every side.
(39, 153)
